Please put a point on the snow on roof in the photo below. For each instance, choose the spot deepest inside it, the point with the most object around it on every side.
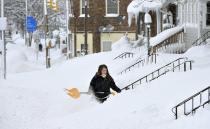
(137, 6)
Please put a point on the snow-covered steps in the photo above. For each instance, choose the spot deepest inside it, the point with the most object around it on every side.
(124, 55)
(202, 39)
(196, 101)
(172, 66)
(140, 62)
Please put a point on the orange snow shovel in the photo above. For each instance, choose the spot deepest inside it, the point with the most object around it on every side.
(75, 93)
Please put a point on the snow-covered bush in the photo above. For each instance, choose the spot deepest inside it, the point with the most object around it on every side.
(122, 44)
(138, 42)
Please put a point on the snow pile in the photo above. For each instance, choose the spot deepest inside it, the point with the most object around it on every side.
(26, 59)
(36, 100)
(148, 106)
(122, 44)
(18, 39)
(139, 42)
(29, 101)
(15, 58)
(19, 59)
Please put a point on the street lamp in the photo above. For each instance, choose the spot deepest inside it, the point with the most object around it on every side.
(148, 22)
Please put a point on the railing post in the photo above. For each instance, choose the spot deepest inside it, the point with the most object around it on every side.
(192, 106)
(208, 94)
(176, 113)
(190, 65)
(179, 64)
(152, 58)
(155, 58)
(173, 67)
(200, 98)
(126, 88)
(184, 66)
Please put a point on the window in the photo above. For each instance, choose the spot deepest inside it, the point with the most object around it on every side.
(82, 5)
(208, 14)
(112, 7)
(83, 48)
(106, 46)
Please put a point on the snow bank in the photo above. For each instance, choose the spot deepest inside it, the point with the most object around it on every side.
(122, 44)
(36, 100)
(19, 59)
(148, 106)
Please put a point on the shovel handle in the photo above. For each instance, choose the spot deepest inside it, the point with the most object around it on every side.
(88, 92)
(79, 92)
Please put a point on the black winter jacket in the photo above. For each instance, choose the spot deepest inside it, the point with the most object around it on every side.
(100, 86)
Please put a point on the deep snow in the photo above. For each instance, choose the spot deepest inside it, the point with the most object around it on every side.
(36, 100)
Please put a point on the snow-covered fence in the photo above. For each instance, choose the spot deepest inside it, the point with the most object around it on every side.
(202, 39)
(166, 38)
(176, 64)
(152, 57)
(201, 102)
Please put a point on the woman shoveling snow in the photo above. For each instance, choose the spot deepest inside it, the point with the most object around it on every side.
(100, 86)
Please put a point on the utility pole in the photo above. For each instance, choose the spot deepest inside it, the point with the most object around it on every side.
(26, 4)
(3, 42)
(45, 36)
(67, 31)
(85, 27)
(74, 46)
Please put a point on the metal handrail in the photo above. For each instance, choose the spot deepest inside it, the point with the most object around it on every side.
(158, 71)
(130, 54)
(201, 40)
(142, 61)
(165, 42)
(193, 108)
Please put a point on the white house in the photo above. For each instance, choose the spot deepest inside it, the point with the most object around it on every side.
(195, 16)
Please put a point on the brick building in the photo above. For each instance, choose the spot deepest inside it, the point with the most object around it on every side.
(101, 13)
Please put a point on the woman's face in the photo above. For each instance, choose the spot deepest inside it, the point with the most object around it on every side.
(104, 71)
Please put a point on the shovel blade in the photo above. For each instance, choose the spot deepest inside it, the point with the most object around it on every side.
(74, 93)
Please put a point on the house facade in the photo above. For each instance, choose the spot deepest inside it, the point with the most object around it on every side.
(195, 16)
(106, 23)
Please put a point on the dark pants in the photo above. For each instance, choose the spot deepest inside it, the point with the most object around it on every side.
(101, 97)
(101, 100)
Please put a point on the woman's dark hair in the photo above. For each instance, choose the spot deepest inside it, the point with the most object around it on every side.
(100, 69)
